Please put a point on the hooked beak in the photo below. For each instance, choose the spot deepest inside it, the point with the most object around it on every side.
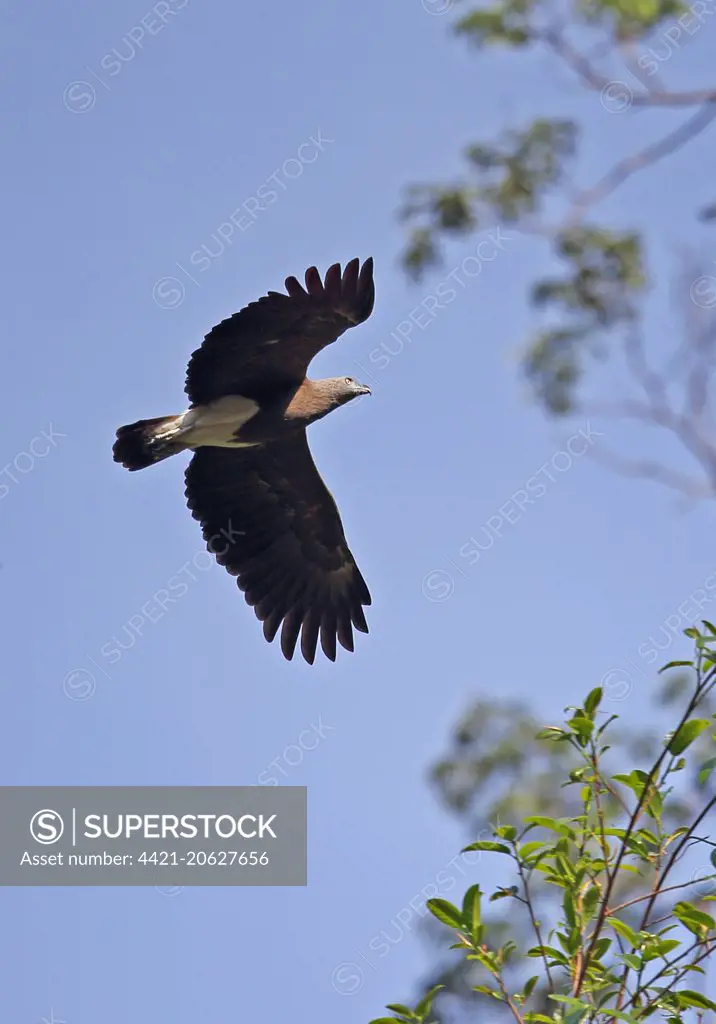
(365, 390)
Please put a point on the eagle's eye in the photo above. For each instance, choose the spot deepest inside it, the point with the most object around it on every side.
(349, 380)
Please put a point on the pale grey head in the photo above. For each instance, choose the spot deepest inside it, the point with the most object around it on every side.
(335, 391)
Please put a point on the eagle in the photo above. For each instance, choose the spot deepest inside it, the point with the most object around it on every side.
(265, 512)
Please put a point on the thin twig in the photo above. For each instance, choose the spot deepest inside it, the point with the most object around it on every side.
(669, 888)
(535, 922)
(673, 858)
(508, 999)
(668, 964)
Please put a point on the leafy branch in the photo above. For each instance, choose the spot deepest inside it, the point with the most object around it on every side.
(585, 856)
(593, 306)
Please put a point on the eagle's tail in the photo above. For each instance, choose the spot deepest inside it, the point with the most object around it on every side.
(145, 442)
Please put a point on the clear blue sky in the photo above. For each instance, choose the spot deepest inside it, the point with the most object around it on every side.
(98, 206)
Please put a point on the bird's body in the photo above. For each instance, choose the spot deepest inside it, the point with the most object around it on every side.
(252, 481)
(219, 423)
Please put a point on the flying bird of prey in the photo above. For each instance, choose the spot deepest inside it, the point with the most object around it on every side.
(265, 512)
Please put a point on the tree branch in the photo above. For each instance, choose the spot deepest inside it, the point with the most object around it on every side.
(596, 80)
(644, 158)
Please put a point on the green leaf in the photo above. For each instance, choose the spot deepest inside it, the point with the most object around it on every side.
(705, 770)
(424, 1006)
(579, 1004)
(624, 930)
(676, 834)
(489, 992)
(529, 986)
(634, 962)
(593, 701)
(636, 781)
(551, 823)
(686, 735)
(494, 26)
(506, 832)
(385, 1020)
(605, 726)
(556, 879)
(590, 901)
(633, 842)
(601, 947)
(471, 911)
(399, 1008)
(676, 664)
(711, 628)
(527, 849)
(550, 952)
(687, 997)
(654, 804)
(582, 727)
(695, 920)
(564, 866)
(445, 912)
(575, 1016)
(628, 780)
(488, 845)
(570, 943)
(508, 949)
(550, 733)
(568, 907)
(659, 948)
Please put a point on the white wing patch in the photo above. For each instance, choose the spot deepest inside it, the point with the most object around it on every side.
(216, 424)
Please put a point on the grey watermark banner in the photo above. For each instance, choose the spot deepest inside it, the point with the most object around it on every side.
(153, 835)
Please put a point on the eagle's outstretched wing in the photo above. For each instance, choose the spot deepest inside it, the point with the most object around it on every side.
(270, 520)
(270, 342)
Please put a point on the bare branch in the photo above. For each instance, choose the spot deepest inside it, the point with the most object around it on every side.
(596, 80)
(645, 469)
(644, 158)
(651, 382)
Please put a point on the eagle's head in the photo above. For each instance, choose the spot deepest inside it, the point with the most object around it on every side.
(339, 390)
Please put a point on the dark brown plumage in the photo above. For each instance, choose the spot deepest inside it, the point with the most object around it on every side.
(235, 358)
(252, 484)
(285, 541)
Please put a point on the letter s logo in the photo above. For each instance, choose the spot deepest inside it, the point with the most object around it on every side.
(46, 827)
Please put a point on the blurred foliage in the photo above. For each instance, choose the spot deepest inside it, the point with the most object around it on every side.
(498, 770)
(522, 176)
(596, 847)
